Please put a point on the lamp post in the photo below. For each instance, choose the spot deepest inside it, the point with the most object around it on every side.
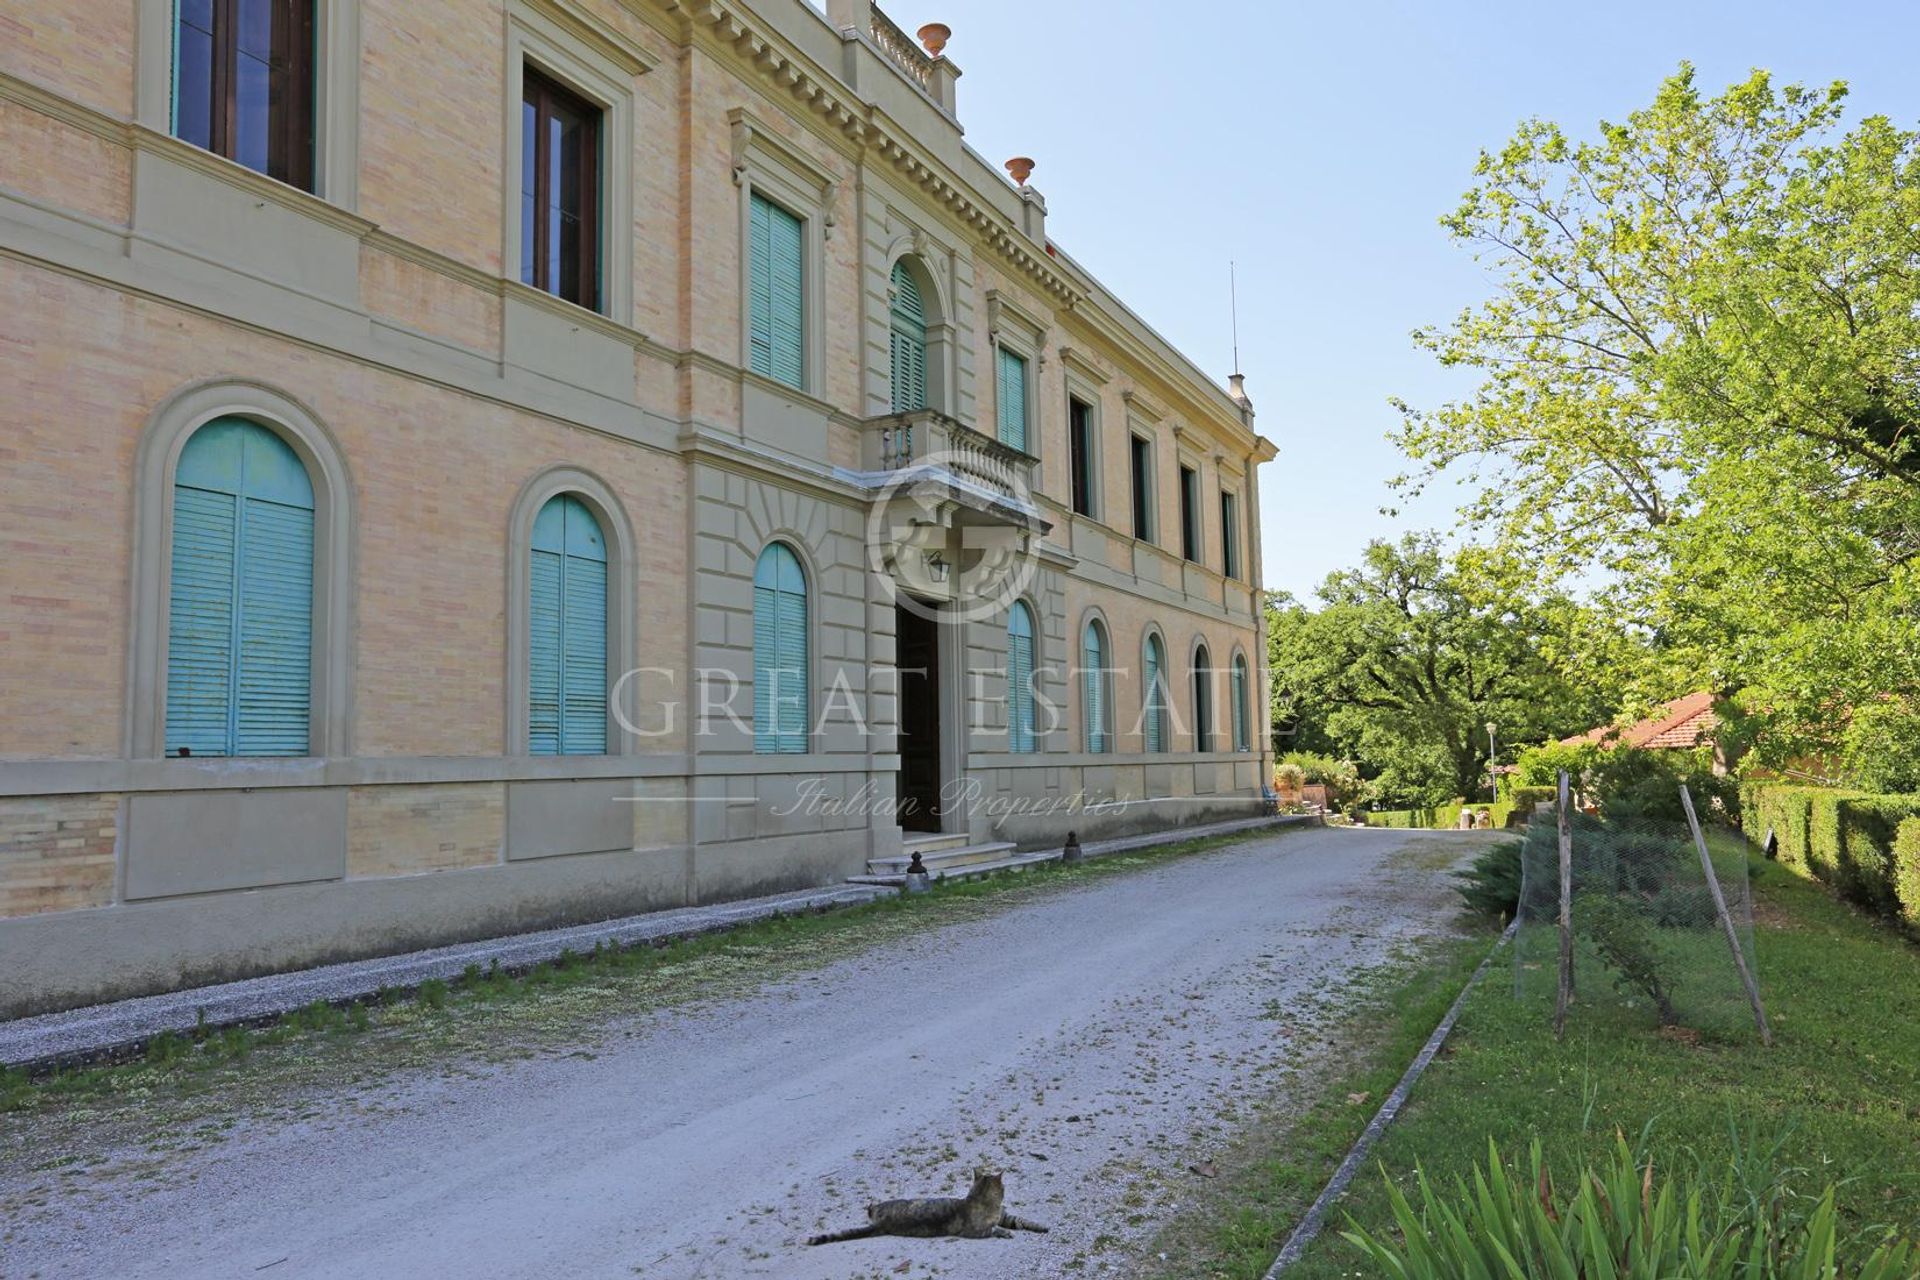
(1493, 777)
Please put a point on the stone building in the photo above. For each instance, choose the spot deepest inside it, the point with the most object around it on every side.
(585, 457)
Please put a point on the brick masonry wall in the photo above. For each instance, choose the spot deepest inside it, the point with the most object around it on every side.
(400, 830)
(57, 852)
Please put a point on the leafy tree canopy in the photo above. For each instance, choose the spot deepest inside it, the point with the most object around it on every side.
(1412, 653)
(1700, 380)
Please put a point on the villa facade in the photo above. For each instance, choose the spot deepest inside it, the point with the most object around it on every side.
(588, 457)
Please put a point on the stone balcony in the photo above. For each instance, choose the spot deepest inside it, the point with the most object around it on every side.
(927, 445)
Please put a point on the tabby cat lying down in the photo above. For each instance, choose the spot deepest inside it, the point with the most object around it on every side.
(975, 1217)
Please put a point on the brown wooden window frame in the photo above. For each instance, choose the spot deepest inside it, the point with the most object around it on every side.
(1190, 513)
(544, 93)
(1080, 429)
(290, 128)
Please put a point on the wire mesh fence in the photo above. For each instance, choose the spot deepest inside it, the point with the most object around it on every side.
(1650, 944)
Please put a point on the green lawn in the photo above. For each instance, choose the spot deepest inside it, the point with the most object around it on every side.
(1839, 1092)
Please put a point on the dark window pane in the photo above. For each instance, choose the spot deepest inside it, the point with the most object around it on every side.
(554, 209)
(529, 187)
(251, 128)
(559, 191)
(197, 13)
(254, 36)
(193, 83)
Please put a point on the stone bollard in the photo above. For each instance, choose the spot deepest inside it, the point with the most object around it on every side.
(918, 881)
(1071, 853)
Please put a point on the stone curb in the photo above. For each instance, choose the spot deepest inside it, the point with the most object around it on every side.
(121, 1029)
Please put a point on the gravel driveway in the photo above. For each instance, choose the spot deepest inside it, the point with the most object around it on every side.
(1092, 1043)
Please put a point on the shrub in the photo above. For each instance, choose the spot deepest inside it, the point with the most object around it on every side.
(1524, 800)
(1491, 885)
(1621, 930)
(1787, 811)
(1621, 1221)
(1540, 766)
(1868, 828)
(1631, 783)
(1881, 749)
(1906, 870)
(1823, 838)
(1345, 789)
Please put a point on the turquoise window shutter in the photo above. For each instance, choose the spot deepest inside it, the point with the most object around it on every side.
(779, 652)
(1240, 739)
(1020, 679)
(1094, 695)
(776, 329)
(200, 623)
(1156, 696)
(240, 604)
(909, 342)
(1012, 399)
(567, 632)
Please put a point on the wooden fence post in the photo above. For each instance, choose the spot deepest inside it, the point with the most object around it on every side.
(1726, 920)
(1566, 908)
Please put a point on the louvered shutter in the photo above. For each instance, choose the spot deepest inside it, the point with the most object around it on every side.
(567, 632)
(760, 287)
(200, 622)
(1020, 679)
(1094, 662)
(1156, 699)
(240, 605)
(909, 343)
(779, 653)
(1239, 710)
(791, 714)
(1012, 399)
(272, 698)
(776, 330)
(543, 653)
(583, 692)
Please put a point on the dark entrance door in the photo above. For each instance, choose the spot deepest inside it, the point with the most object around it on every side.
(917, 654)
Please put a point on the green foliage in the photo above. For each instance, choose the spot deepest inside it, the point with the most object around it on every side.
(1491, 885)
(1786, 810)
(1700, 380)
(1525, 800)
(1345, 789)
(1849, 841)
(1906, 870)
(1621, 930)
(1634, 784)
(1623, 1221)
(1414, 651)
(1540, 766)
(1881, 748)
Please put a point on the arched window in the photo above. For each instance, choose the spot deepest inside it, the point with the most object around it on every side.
(1093, 661)
(1154, 708)
(1202, 700)
(1241, 740)
(1019, 678)
(909, 341)
(779, 652)
(567, 632)
(240, 608)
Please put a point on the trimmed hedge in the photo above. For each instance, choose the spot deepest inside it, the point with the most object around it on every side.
(1846, 839)
(1906, 870)
(1445, 817)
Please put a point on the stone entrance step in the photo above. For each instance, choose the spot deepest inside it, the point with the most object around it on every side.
(941, 854)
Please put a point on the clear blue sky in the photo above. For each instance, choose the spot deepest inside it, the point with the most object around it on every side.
(1317, 144)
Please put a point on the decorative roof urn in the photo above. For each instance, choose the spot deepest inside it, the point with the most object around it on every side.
(935, 36)
(1021, 167)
